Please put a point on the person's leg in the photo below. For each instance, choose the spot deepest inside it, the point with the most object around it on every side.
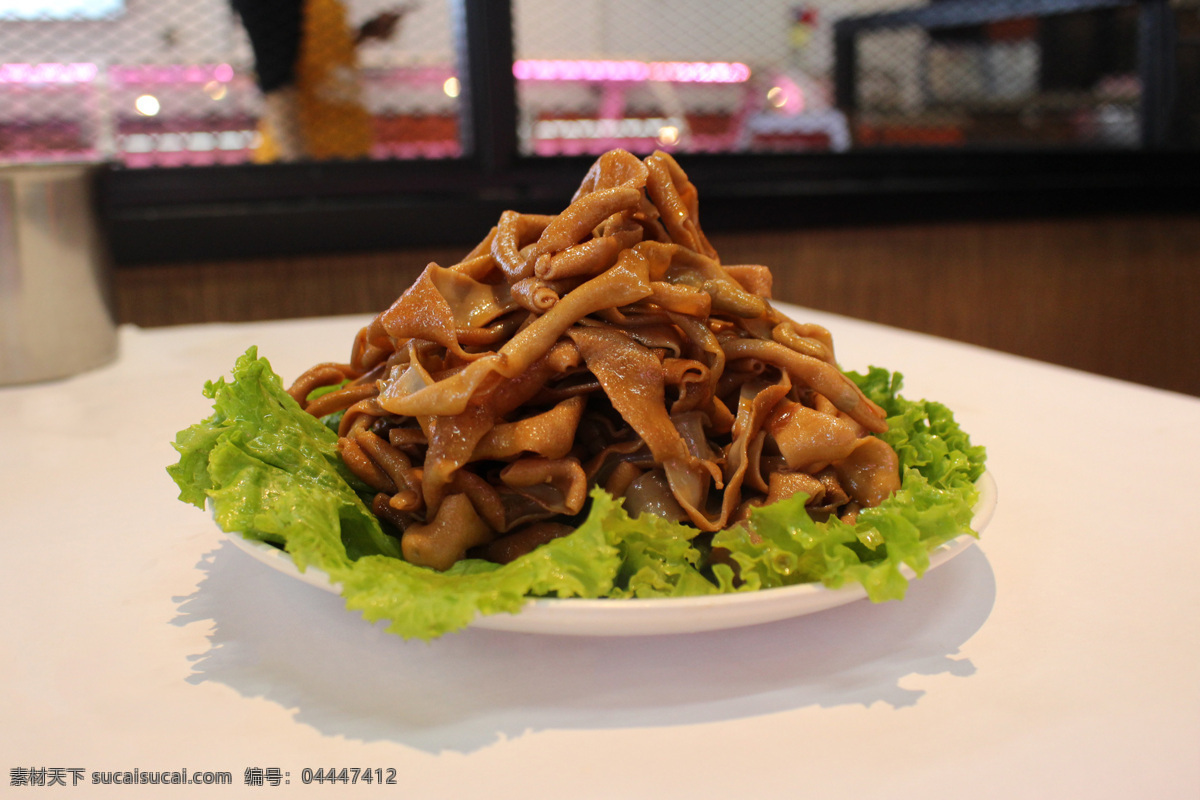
(274, 29)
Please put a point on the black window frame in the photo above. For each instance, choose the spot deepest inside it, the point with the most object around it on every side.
(177, 214)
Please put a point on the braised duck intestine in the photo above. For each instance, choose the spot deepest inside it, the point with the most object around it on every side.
(604, 346)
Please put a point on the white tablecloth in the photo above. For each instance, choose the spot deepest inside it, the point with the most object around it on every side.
(1058, 658)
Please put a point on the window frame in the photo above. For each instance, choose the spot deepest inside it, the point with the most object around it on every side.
(176, 214)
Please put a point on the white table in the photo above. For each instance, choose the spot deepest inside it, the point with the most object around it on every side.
(1058, 658)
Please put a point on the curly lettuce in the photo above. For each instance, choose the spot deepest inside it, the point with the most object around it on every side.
(272, 473)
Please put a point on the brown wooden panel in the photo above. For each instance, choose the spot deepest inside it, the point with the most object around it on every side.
(1119, 297)
(276, 288)
(1116, 296)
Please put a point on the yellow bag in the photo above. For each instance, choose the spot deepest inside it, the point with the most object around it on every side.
(333, 121)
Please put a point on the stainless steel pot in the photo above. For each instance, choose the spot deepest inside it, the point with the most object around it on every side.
(56, 314)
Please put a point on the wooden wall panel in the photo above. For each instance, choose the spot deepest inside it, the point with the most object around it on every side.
(1116, 296)
(1119, 297)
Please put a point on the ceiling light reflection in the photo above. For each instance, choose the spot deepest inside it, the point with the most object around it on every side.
(668, 135)
(147, 105)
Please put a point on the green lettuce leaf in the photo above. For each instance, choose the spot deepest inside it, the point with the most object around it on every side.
(272, 472)
(782, 545)
(658, 557)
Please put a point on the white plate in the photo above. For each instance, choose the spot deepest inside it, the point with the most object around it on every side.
(578, 617)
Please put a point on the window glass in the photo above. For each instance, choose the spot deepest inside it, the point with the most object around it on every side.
(824, 75)
(198, 82)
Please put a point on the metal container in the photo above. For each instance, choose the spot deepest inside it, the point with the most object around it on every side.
(56, 313)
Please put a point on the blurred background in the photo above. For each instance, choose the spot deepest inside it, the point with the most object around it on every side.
(173, 83)
(1018, 173)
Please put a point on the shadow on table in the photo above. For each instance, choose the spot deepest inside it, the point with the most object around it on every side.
(276, 638)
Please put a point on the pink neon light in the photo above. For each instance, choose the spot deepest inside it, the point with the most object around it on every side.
(47, 73)
(672, 71)
(171, 73)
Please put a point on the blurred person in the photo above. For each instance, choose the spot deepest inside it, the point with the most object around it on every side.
(306, 64)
